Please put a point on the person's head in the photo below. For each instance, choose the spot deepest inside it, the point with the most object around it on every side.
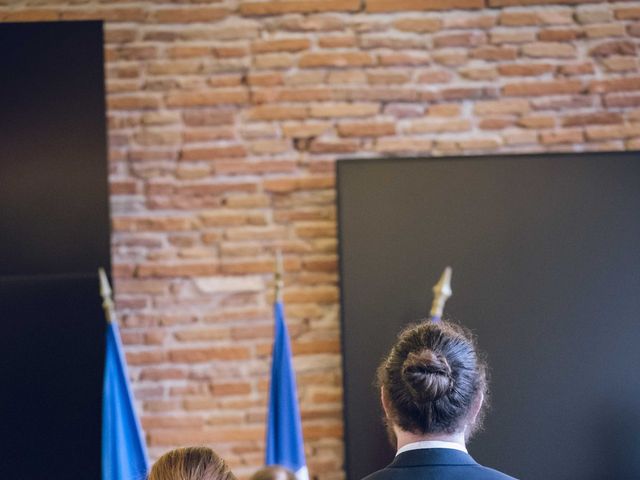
(433, 381)
(190, 463)
(273, 472)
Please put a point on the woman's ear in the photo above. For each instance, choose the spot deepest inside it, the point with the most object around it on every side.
(385, 405)
(476, 406)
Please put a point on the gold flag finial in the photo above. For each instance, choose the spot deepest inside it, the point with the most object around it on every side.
(105, 293)
(441, 292)
(279, 280)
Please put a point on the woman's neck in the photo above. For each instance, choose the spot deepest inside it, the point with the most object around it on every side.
(404, 438)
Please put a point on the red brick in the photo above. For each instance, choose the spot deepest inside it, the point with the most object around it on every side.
(492, 107)
(277, 112)
(434, 76)
(602, 118)
(470, 21)
(189, 15)
(278, 7)
(615, 47)
(161, 270)
(552, 87)
(207, 98)
(549, 50)
(377, 6)
(465, 39)
(281, 45)
(586, 68)
(622, 100)
(525, 69)
(133, 102)
(519, 18)
(494, 54)
(399, 58)
(208, 117)
(518, 3)
(612, 132)
(334, 146)
(198, 355)
(628, 13)
(496, 123)
(336, 59)
(623, 84)
(211, 153)
(344, 109)
(403, 145)
(537, 121)
(152, 224)
(559, 35)
(554, 137)
(366, 129)
(337, 41)
(418, 25)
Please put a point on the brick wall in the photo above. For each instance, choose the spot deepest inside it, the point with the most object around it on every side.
(225, 119)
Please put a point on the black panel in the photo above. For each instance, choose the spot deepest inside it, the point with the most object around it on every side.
(52, 350)
(54, 234)
(53, 174)
(546, 270)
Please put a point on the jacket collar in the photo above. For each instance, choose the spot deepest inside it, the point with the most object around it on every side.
(432, 456)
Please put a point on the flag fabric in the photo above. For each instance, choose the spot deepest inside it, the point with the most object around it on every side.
(285, 445)
(124, 453)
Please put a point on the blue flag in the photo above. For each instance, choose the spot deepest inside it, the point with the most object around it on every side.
(285, 446)
(124, 454)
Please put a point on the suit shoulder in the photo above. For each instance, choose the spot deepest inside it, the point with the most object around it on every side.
(492, 474)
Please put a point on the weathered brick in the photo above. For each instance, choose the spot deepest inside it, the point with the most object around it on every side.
(403, 145)
(569, 135)
(188, 15)
(614, 47)
(277, 112)
(549, 50)
(602, 118)
(323, 110)
(278, 7)
(525, 69)
(280, 45)
(559, 34)
(336, 59)
(552, 87)
(493, 107)
(439, 125)
(623, 84)
(627, 13)
(377, 6)
(418, 25)
(366, 129)
(207, 98)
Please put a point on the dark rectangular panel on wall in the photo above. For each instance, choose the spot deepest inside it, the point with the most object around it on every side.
(546, 258)
(54, 234)
(53, 173)
(52, 346)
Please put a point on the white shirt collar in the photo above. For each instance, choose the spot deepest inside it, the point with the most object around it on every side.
(431, 444)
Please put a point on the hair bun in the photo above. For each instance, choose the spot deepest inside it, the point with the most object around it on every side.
(427, 375)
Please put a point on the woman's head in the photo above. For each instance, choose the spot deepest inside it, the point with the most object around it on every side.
(190, 463)
(273, 472)
(433, 380)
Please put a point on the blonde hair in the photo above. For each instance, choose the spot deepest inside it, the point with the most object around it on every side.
(273, 472)
(190, 463)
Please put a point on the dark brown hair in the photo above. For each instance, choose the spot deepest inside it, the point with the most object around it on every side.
(190, 463)
(431, 378)
(273, 472)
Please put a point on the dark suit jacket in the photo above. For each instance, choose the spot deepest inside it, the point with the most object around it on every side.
(436, 464)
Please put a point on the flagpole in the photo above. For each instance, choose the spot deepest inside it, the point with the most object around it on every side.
(441, 292)
(105, 293)
(278, 276)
